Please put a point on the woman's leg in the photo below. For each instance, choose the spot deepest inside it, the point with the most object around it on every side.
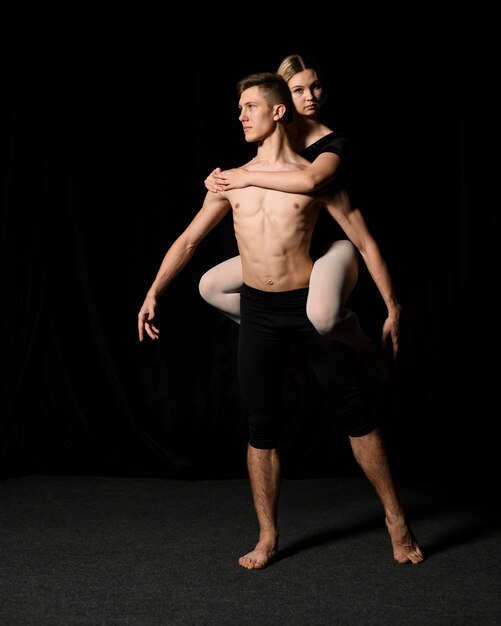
(220, 286)
(333, 277)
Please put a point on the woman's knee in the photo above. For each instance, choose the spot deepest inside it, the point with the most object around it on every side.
(209, 286)
(334, 276)
(222, 279)
(324, 316)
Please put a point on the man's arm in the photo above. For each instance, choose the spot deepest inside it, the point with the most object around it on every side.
(214, 208)
(321, 171)
(353, 223)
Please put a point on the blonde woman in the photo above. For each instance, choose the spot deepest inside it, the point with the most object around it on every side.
(335, 270)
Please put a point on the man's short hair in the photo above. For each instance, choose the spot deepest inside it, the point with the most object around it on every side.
(273, 88)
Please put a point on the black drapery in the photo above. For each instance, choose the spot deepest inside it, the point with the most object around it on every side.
(103, 163)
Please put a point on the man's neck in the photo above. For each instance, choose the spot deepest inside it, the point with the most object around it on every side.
(275, 148)
(304, 131)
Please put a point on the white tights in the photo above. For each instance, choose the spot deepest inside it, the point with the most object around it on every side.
(333, 277)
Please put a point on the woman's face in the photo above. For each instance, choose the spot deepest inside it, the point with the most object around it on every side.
(307, 93)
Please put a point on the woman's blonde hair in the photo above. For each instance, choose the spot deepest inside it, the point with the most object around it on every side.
(295, 63)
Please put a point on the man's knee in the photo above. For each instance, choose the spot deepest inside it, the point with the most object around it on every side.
(361, 429)
(351, 409)
(263, 431)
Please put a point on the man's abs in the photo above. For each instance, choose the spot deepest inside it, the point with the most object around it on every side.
(276, 274)
(273, 232)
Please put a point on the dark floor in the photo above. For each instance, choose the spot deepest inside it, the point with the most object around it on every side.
(104, 550)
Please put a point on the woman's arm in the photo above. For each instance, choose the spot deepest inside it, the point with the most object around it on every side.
(323, 169)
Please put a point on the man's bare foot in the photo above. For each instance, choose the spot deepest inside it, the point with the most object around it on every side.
(259, 558)
(405, 547)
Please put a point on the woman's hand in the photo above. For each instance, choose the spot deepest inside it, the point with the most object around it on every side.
(211, 182)
(224, 180)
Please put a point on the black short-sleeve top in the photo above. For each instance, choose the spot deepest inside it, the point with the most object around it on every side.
(333, 142)
(327, 229)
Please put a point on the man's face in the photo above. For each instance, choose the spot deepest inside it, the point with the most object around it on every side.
(256, 115)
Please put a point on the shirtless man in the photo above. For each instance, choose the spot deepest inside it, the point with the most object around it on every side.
(273, 231)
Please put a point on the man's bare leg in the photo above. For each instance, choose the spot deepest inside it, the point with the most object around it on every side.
(264, 474)
(370, 453)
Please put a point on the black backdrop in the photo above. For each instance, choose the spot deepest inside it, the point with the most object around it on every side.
(103, 161)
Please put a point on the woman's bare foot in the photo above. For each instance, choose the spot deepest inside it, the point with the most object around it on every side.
(405, 547)
(259, 558)
(350, 331)
(374, 361)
